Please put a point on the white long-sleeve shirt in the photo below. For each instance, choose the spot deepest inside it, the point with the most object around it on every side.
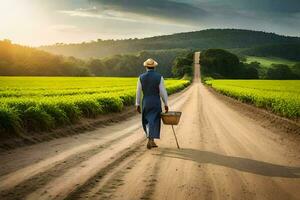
(162, 91)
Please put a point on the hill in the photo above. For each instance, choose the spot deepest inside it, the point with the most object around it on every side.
(285, 51)
(212, 38)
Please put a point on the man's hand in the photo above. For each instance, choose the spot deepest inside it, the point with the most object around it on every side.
(167, 109)
(138, 109)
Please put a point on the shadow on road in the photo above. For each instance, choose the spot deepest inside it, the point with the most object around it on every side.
(238, 163)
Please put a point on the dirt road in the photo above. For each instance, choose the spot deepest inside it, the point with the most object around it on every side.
(224, 155)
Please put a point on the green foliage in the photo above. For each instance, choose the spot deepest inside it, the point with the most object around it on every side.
(59, 116)
(280, 72)
(296, 69)
(183, 65)
(70, 109)
(36, 119)
(249, 71)
(219, 63)
(110, 103)
(10, 121)
(207, 79)
(20, 60)
(39, 104)
(89, 107)
(281, 97)
(129, 65)
(269, 67)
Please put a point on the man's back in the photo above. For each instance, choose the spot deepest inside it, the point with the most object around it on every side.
(150, 82)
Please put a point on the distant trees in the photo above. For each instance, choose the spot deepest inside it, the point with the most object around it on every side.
(118, 65)
(281, 72)
(219, 63)
(129, 65)
(249, 71)
(296, 69)
(183, 65)
(20, 60)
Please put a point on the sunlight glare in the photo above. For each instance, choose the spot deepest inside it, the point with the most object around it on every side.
(14, 12)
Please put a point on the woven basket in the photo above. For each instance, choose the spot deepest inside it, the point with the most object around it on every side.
(171, 118)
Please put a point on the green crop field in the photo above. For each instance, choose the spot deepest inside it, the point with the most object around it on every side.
(281, 97)
(43, 103)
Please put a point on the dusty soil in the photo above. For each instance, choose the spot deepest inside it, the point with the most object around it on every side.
(225, 154)
(84, 125)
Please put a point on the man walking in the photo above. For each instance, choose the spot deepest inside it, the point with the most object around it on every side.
(152, 85)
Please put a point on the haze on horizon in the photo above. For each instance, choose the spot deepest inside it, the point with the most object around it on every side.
(35, 22)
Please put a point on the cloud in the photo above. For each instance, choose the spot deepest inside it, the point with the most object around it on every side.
(268, 15)
(274, 6)
(149, 10)
(110, 13)
(197, 14)
(101, 14)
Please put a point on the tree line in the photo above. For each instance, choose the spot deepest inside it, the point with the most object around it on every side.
(23, 61)
(129, 65)
(284, 72)
(17, 60)
(222, 64)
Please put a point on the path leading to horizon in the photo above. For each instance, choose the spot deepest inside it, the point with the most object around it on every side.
(224, 155)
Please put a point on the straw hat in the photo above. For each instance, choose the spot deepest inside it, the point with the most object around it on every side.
(150, 63)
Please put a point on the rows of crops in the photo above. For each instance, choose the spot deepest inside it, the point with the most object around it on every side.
(43, 103)
(281, 97)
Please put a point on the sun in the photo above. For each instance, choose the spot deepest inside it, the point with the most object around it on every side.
(14, 11)
(20, 20)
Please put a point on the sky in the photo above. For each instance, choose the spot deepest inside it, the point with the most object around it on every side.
(43, 22)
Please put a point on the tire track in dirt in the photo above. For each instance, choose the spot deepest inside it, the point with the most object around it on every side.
(113, 180)
(42, 178)
(102, 185)
(60, 187)
(138, 172)
(152, 180)
(10, 180)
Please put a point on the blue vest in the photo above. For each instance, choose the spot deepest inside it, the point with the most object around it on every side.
(150, 83)
(151, 106)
